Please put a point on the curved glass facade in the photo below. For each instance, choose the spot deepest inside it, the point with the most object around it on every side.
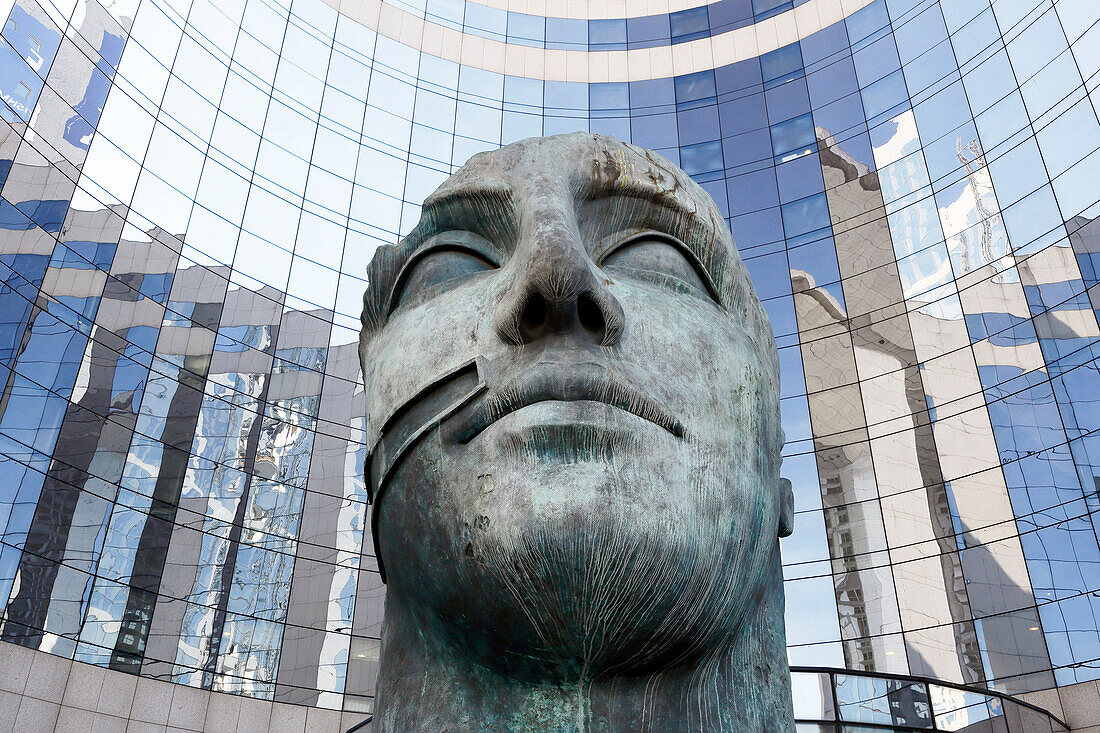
(191, 192)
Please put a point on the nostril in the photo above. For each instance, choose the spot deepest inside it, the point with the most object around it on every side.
(590, 315)
(533, 316)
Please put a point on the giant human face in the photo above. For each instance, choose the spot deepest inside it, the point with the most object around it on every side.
(577, 397)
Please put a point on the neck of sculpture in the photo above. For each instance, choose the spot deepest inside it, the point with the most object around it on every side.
(427, 685)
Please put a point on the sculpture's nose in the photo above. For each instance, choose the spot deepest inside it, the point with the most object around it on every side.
(555, 290)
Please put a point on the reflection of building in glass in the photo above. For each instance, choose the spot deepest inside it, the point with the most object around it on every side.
(190, 192)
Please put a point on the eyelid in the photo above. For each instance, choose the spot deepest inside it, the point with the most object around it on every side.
(672, 241)
(468, 242)
(458, 239)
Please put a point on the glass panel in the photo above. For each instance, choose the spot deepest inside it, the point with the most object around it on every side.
(962, 710)
(813, 696)
(885, 701)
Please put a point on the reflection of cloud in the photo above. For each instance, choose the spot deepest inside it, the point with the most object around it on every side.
(903, 142)
(922, 273)
(914, 228)
(121, 8)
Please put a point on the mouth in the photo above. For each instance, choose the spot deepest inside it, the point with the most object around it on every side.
(578, 382)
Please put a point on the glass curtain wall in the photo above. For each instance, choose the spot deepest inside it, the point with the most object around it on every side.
(191, 191)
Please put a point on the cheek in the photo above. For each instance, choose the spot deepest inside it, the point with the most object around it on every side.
(706, 369)
(693, 356)
(418, 346)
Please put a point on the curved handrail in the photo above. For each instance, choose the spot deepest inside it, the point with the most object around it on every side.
(832, 671)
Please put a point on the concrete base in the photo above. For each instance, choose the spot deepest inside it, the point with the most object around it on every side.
(43, 692)
(1078, 705)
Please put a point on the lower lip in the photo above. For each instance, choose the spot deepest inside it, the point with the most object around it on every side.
(562, 413)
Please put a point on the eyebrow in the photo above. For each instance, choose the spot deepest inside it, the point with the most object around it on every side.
(692, 225)
(635, 188)
(475, 207)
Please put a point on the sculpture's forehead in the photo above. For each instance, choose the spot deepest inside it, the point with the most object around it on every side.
(579, 164)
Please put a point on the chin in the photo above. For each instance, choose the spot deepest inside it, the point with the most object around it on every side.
(603, 557)
(583, 592)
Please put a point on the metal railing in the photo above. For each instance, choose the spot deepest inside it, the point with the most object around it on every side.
(847, 698)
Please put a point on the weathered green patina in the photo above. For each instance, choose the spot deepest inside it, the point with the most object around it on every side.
(577, 502)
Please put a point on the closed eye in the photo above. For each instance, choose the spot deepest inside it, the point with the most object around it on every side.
(440, 267)
(656, 258)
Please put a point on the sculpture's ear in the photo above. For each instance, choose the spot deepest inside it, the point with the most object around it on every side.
(786, 508)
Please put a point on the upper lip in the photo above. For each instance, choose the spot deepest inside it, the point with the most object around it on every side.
(566, 382)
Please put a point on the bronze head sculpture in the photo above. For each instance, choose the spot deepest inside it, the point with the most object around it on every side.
(577, 503)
